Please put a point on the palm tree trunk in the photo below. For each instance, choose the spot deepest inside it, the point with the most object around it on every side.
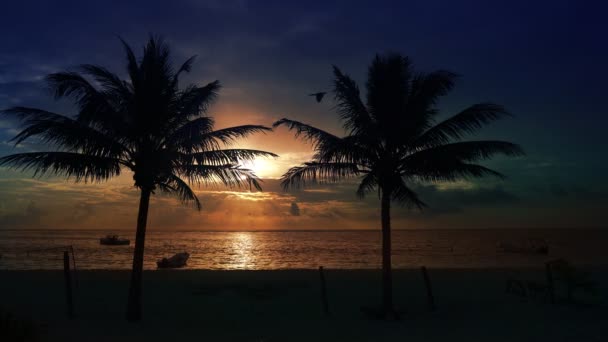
(387, 277)
(135, 289)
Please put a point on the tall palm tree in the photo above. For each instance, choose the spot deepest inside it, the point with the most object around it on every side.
(394, 141)
(146, 124)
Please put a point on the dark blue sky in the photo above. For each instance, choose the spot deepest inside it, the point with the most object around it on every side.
(546, 61)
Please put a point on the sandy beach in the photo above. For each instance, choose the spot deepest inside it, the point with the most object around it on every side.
(286, 306)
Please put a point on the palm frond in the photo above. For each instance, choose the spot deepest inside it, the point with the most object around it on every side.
(317, 137)
(189, 136)
(227, 156)
(228, 136)
(463, 151)
(350, 107)
(70, 84)
(155, 61)
(467, 121)
(185, 67)
(449, 171)
(63, 132)
(175, 185)
(95, 109)
(80, 167)
(229, 175)
(350, 149)
(107, 80)
(194, 101)
(387, 88)
(132, 66)
(426, 89)
(404, 195)
(367, 185)
(313, 172)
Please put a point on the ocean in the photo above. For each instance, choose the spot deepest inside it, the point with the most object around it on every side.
(266, 250)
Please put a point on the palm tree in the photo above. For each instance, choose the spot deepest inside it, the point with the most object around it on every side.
(394, 141)
(146, 124)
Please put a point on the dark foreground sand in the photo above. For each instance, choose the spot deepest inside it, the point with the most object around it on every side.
(197, 305)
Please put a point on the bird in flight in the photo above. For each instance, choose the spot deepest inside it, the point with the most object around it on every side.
(318, 96)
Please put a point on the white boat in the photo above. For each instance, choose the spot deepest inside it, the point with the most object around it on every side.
(114, 240)
(176, 261)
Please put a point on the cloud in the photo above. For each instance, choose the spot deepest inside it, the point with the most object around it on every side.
(442, 200)
(5, 124)
(30, 216)
(52, 203)
(576, 191)
(83, 211)
(565, 191)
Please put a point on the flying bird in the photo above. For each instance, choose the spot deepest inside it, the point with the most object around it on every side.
(319, 95)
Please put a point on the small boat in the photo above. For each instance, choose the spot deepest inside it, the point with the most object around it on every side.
(532, 246)
(176, 261)
(114, 240)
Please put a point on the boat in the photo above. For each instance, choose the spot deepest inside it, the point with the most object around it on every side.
(531, 246)
(176, 261)
(114, 240)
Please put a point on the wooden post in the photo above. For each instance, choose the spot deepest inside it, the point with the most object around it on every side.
(550, 283)
(74, 266)
(68, 284)
(429, 289)
(323, 292)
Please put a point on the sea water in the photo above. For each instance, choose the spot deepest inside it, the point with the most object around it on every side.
(257, 250)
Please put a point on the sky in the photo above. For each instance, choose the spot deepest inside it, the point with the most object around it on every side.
(546, 61)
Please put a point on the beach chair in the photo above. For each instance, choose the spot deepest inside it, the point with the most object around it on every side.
(563, 277)
(526, 288)
(516, 286)
(562, 282)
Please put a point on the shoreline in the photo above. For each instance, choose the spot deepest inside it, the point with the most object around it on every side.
(541, 266)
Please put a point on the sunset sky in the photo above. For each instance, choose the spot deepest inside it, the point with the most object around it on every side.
(546, 61)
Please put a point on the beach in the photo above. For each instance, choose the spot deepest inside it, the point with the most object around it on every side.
(285, 305)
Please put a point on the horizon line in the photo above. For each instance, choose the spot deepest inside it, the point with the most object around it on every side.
(297, 230)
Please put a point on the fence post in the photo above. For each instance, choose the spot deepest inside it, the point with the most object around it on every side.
(429, 289)
(550, 283)
(74, 266)
(323, 292)
(68, 284)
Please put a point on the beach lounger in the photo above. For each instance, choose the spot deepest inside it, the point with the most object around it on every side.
(562, 282)
(570, 280)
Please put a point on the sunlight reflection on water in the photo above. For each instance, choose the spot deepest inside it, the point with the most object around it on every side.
(241, 252)
(301, 249)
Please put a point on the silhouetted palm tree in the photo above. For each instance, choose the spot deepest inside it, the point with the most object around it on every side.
(393, 141)
(146, 124)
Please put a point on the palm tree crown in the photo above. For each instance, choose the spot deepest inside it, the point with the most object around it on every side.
(393, 141)
(145, 124)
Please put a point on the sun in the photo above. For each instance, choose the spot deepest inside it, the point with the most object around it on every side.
(263, 167)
